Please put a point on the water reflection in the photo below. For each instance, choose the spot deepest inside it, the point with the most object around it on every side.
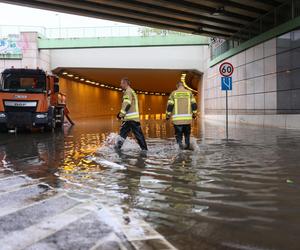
(224, 195)
(34, 154)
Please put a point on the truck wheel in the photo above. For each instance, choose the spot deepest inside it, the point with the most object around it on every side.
(51, 126)
(60, 118)
(51, 122)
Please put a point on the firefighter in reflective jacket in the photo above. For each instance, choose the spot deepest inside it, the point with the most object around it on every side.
(182, 107)
(130, 117)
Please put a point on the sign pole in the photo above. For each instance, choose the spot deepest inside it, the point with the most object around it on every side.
(227, 115)
(226, 70)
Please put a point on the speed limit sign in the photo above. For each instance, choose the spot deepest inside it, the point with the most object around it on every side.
(226, 69)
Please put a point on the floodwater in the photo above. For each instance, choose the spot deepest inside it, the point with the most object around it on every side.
(238, 194)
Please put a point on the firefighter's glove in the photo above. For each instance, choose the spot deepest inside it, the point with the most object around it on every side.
(120, 116)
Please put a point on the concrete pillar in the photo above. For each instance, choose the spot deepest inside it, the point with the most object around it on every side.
(31, 56)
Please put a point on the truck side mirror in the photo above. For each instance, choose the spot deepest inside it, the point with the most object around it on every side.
(56, 88)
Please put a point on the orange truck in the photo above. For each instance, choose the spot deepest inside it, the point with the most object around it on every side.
(30, 98)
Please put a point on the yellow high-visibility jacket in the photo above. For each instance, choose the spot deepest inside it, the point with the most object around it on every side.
(130, 106)
(181, 106)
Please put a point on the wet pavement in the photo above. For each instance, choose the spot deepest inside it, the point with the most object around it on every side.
(238, 194)
(36, 216)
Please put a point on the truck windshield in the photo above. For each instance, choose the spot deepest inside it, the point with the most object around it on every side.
(24, 83)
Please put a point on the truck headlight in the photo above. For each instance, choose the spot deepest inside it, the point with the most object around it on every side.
(41, 116)
(2, 115)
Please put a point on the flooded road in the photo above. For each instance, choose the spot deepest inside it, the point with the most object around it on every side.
(241, 194)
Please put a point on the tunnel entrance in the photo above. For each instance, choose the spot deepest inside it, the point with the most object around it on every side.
(95, 92)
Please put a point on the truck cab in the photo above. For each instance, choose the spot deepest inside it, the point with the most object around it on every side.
(30, 98)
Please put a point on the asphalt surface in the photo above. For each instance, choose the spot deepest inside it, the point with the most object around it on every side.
(35, 216)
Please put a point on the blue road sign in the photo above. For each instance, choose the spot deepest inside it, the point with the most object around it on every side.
(226, 83)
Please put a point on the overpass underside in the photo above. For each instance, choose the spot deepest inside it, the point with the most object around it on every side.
(207, 17)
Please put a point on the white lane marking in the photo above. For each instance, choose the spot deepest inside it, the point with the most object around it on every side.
(21, 239)
(14, 210)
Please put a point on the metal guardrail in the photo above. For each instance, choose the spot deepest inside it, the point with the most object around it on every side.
(86, 32)
(281, 14)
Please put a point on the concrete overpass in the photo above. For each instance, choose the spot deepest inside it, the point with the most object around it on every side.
(154, 63)
(153, 66)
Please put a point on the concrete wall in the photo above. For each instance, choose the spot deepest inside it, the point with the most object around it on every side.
(254, 83)
(264, 82)
(288, 73)
(31, 56)
(172, 57)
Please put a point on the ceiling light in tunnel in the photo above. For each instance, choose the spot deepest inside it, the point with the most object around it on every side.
(102, 85)
(82, 79)
(157, 94)
(65, 73)
(146, 93)
(76, 77)
(70, 75)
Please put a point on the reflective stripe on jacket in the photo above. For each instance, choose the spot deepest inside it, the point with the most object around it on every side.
(130, 106)
(180, 106)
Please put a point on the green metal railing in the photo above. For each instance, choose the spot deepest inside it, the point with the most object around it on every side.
(282, 14)
(127, 41)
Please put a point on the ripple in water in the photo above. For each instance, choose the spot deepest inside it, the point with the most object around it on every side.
(222, 195)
